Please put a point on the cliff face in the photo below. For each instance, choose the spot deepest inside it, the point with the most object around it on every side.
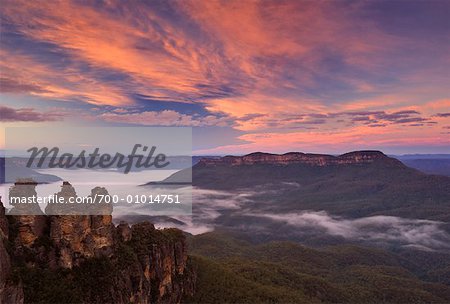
(137, 264)
(359, 157)
(9, 292)
(163, 262)
(3, 223)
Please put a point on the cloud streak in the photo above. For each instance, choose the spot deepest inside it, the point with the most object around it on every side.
(8, 114)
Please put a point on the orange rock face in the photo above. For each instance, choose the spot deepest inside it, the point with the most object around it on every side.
(359, 157)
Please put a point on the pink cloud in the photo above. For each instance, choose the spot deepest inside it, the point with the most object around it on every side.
(8, 114)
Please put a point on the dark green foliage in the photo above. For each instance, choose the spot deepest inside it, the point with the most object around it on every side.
(218, 284)
(95, 278)
(125, 256)
(230, 270)
(13, 232)
(172, 234)
(44, 241)
(91, 280)
(144, 235)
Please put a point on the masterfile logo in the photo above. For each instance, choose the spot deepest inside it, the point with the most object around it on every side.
(96, 160)
(76, 170)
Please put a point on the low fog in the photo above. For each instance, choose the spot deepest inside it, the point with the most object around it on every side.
(424, 234)
(239, 211)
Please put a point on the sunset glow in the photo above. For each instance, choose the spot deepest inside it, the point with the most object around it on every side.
(275, 76)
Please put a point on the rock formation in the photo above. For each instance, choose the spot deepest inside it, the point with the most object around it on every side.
(3, 222)
(77, 234)
(140, 263)
(29, 218)
(10, 291)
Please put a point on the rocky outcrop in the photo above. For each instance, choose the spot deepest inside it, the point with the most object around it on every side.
(10, 291)
(141, 264)
(20, 193)
(28, 217)
(3, 222)
(358, 157)
(80, 236)
(124, 231)
(161, 269)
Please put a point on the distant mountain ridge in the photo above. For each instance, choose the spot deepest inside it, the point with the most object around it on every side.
(428, 163)
(355, 184)
(356, 157)
(232, 172)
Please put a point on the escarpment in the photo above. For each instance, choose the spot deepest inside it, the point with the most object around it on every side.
(357, 157)
(87, 259)
(255, 169)
(10, 291)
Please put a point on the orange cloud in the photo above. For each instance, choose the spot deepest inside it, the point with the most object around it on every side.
(57, 84)
(248, 44)
(260, 67)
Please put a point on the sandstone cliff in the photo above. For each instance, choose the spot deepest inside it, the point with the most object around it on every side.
(275, 170)
(10, 292)
(358, 157)
(86, 259)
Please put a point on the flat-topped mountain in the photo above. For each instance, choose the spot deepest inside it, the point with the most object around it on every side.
(232, 172)
(357, 157)
(360, 183)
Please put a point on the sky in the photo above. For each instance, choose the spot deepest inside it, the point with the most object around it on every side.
(272, 76)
